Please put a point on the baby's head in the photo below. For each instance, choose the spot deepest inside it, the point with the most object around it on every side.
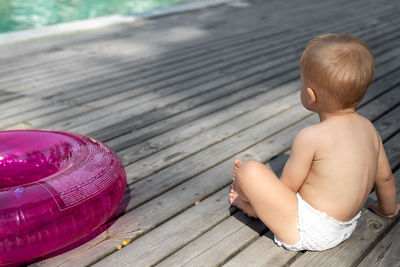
(338, 68)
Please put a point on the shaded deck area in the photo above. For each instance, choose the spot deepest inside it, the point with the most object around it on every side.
(178, 98)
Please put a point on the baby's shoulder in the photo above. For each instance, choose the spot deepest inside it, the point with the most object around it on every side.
(310, 134)
(316, 136)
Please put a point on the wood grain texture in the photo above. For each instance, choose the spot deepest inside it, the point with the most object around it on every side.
(179, 97)
(386, 252)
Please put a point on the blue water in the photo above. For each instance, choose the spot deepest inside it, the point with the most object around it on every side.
(16, 15)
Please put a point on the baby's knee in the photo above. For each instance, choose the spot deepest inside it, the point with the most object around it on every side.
(251, 170)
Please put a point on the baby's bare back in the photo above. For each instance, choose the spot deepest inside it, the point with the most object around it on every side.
(344, 167)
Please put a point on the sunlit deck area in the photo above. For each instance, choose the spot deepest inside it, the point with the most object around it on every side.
(178, 97)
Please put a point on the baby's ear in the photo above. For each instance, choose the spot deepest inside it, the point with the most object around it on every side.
(312, 95)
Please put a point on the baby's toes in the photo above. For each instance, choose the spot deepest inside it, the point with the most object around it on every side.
(231, 199)
(238, 162)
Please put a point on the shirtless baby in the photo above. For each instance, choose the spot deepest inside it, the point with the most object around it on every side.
(333, 165)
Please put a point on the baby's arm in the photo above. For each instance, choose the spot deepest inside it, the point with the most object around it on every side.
(385, 188)
(301, 156)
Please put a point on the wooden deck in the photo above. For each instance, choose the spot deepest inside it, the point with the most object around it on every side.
(178, 98)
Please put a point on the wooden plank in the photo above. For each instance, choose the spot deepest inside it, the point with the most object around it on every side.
(196, 112)
(104, 132)
(167, 139)
(237, 229)
(97, 90)
(83, 92)
(191, 47)
(23, 117)
(24, 105)
(390, 100)
(190, 146)
(74, 113)
(383, 83)
(386, 252)
(166, 37)
(18, 69)
(136, 74)
(162, 242)
(263, 252)
(165, 179)
(72, 43)
(39, 122)
(8, 97)
(69, 118)
(19, 100)
(131, 153)
(106, 34)
(134, 103)
(176, 48)
(387, 123)
(108, 86)
(198, 66)
(135, 107)
(32, 123)
(141, 134)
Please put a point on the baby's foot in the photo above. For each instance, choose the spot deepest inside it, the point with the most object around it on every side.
(236, 201)
(236, 167)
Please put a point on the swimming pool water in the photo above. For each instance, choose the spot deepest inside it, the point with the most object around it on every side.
(16, 15)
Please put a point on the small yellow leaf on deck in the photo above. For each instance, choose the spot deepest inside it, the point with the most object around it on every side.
(197, 202)
(27, 123)
(119, 246)
(126, 242)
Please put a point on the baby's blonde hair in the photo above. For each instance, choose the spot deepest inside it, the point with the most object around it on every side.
(340, 66)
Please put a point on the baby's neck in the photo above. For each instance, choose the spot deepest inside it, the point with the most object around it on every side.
(324, 115)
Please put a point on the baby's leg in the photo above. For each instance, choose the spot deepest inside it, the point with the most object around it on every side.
(245, 206)
(234, 197)
(261, 193)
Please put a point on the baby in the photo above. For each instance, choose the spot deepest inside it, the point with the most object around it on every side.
(333, 165)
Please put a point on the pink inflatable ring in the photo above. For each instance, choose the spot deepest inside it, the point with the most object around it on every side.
(55, 189)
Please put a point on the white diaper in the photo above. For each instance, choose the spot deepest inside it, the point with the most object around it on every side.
(317, 230)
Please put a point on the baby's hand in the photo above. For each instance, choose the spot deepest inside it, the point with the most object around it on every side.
(377, 209)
